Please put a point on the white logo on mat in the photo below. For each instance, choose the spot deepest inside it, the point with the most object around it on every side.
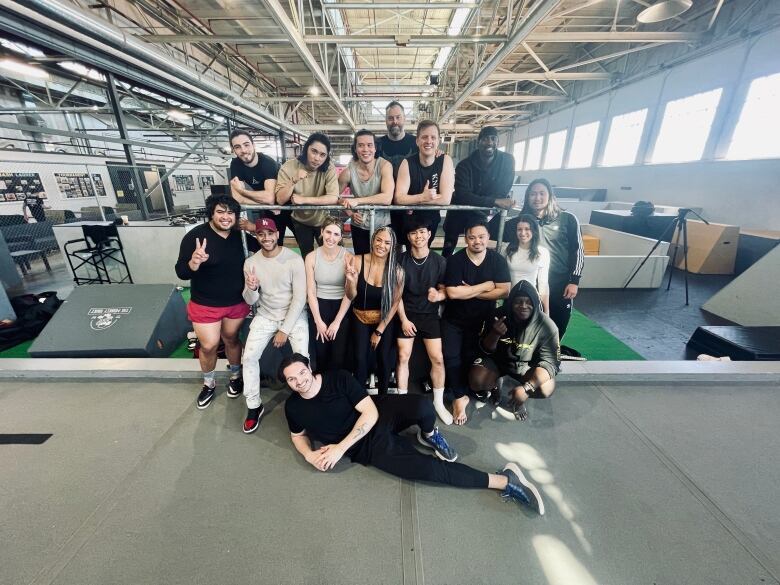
(103, 318)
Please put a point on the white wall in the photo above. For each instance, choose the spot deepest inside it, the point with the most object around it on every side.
(745, 193)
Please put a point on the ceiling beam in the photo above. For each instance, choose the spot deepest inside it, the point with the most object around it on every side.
(537, 14)
(287, 25)
(399, 5)
(549, 76)
(378, 41)
(509, 98)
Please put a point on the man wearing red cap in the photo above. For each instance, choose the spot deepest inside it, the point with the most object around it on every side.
(275, 279)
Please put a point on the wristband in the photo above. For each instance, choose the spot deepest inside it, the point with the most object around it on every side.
(378, 333)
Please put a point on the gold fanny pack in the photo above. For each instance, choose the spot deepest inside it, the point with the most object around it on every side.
(368, 316)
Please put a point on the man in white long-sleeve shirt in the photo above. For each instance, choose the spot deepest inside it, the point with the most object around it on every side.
(275, 276)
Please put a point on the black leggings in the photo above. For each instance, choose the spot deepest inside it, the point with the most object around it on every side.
(330, 355)
(385, 449)
(460, 348)
(381, 360)
(560, 308)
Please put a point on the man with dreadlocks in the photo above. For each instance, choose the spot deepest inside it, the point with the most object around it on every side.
(374, 284)
(519, 342)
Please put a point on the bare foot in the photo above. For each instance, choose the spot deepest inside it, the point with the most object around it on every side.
(459, 410)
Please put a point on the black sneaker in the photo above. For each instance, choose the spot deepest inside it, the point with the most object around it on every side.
(439, 444)
(520, 489)
(252, 420)
(205, 397)
(235, 387)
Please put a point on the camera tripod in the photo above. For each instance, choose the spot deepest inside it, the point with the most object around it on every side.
(680, 222)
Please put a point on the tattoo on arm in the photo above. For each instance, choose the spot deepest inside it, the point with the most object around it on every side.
(360, 431)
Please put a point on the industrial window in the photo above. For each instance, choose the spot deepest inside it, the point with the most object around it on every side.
(534, 158)
(758, 128)
(519, 153)
(556, 142)
(625, 132)
(583, 145)
(686, 127)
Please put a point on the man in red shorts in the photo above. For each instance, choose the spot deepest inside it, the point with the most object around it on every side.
(211, 257)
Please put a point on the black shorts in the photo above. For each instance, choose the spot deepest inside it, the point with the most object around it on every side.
(428, 326)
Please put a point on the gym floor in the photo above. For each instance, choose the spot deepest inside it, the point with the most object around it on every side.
(652, 472)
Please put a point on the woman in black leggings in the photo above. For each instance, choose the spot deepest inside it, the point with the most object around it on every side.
(374, 283)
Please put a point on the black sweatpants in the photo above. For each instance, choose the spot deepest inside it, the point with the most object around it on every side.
(361, 240)
(330, 355)
(385, 449)
(460, 345)
(381, 360)
(305, 235)
(560, 308)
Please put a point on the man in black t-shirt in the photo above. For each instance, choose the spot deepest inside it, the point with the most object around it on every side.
(211, 257)
(253, 180)
(418, 311)
(334, 410)
(475, 279)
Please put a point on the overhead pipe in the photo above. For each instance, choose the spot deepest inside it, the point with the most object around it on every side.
(69, 23)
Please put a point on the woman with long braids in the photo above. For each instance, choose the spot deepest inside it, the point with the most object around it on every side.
(528, 259)
(328, 303)
(561, 236)
(374, 283)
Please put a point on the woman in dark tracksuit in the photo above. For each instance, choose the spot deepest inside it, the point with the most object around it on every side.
(561, 236)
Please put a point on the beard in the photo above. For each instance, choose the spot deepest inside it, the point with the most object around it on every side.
(395, 130)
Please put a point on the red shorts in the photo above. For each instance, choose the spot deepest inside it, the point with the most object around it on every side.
(203, 314)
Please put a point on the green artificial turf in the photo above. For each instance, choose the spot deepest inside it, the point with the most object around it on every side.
(595, 342)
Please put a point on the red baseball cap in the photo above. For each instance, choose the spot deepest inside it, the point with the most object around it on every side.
(265, 223)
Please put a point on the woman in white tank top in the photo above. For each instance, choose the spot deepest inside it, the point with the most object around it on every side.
(328, 305)
(528, 260)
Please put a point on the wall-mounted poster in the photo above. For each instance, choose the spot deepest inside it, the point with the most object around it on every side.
(17, 186)
(97, 178)
(75, 185)
(205, 180)
(183, 183)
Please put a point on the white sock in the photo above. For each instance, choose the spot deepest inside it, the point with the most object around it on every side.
(401, 391)
(438, 405)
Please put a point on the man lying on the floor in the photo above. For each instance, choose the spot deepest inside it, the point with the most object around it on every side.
(333, 409)
(519, 342)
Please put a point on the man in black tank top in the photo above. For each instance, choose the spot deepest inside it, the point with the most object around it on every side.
(426, 179)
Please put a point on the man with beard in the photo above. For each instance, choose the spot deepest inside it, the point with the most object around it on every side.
(475, 279)
(253, 180)
(275, 276)
(484, 179)
(211, 257)
(334, 410)
(520, 343)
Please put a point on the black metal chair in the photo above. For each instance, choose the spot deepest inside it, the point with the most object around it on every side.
(101, 243)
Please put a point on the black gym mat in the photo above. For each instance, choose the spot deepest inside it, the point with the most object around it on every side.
(738, 343)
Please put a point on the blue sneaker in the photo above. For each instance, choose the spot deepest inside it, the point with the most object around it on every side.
(439, 445)
(520, 489)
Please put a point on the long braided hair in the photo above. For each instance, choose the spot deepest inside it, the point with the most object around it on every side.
(390, 276)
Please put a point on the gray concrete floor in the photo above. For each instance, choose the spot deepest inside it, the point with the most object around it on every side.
(644, 483)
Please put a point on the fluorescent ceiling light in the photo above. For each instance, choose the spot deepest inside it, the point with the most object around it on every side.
(23, 69)
(314, 90)
(441, 60)
(456, 25)
(82, 70)
(179, 115)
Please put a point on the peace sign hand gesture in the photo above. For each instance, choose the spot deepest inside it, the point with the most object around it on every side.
(250, 278)
(199, 255)
(349, 272)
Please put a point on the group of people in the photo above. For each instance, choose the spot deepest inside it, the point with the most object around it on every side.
(356, 314)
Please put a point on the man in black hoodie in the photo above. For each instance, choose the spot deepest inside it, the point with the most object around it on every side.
(482, 179)
(520, 343)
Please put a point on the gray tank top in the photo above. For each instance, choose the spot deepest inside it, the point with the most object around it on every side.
(368, 189)
(329, 276)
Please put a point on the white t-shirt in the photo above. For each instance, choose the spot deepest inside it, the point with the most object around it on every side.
(535, 272)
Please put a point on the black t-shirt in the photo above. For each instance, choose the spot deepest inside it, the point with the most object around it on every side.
(396, 151)
(256, 176)
(219, 281)
(460, 269)
(330, 415)
(419, 278)
(418, 177)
